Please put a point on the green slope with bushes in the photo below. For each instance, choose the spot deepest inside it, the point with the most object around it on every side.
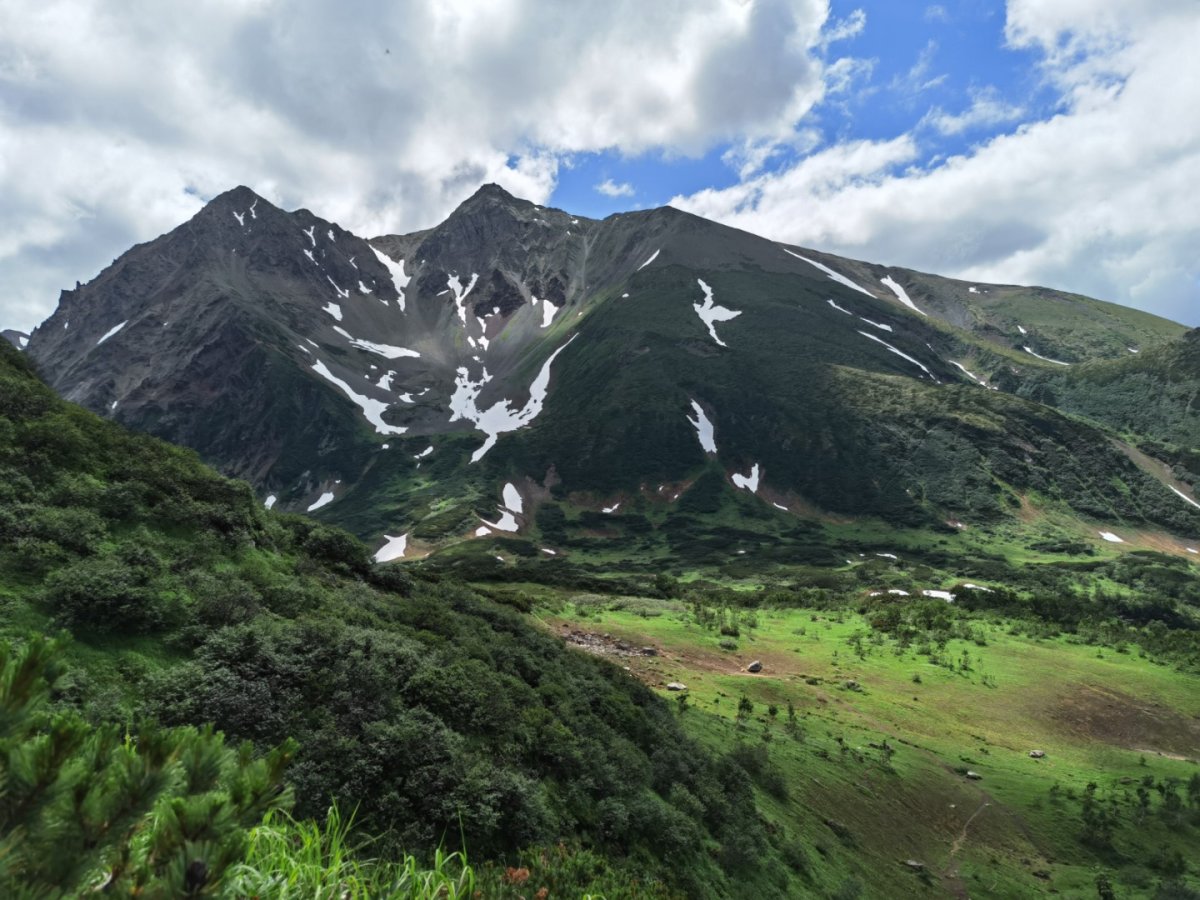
(444, 718)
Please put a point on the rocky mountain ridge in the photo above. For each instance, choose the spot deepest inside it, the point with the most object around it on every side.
(395, 385)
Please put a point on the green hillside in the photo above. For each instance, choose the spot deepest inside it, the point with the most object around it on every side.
(443, 718)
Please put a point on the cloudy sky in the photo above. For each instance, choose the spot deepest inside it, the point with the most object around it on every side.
(1020, 142)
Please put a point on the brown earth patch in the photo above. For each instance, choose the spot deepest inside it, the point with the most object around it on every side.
(1028, 512)
(1112, 717)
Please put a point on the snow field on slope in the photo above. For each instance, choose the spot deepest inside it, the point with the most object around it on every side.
(710, 313)
(836, 276)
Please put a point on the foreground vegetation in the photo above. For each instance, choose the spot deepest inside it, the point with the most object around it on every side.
(241, 704)
(444, 719)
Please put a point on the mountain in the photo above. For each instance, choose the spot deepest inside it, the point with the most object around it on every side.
(17, 338)
(555, 382)
(853, 556)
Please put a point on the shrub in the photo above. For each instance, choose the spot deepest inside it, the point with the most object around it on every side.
(161, 812)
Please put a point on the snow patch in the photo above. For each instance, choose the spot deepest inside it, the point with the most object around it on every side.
(372, 409)
(978, 587)
(241, 217)
(749, 482)
(551, 552)
(939, 595)
(396, 271)
(548, 312)
(363, 289)
(1133, 350)
(1057, 362)
(305, 349)
(334, 310)
(653, 257)
(393, 549)
(512, 498)
(460, 295)
(500, 417)
(424, 453)
(781, 506)
(309, 231)
(609, 510)
(836, 276)
(507, 522)
(839, 308)
(710, 313)
(482, 530)
(1111, 538)
(311, 258)
(324, 500)
(253, 214)
(878, 325)
(111, 332)
(888, 555)
(345, 295)
(385, 383)
(385, 350)
(1186, 497)
(270, 501)
(901, 294)
(1021, 328)
(973, 290)
(900, 354)
(968, 373)
(329, 234)
(704, 429)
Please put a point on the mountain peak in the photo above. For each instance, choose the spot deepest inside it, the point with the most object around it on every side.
(493, 197)
(238, 196)
(492, 191)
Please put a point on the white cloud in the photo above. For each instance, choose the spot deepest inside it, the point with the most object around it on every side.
(610, 188)
(987, 109)
(851, 26)
(115, 116)
(918, 78)
(1096, 199)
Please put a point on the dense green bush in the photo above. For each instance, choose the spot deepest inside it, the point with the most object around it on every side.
(148, 812)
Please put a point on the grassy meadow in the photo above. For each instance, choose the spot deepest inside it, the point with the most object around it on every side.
(860, 742)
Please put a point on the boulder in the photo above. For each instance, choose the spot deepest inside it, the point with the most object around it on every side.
(1037, 754)
(676, 686)
(755, 666)
(974, 776)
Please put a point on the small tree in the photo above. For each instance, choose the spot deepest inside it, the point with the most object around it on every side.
(162, 813)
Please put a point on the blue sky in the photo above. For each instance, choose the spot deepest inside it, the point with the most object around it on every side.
(914, 62)
(1010, 141)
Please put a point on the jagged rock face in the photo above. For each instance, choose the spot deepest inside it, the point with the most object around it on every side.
(18, 339)
(203, 335)
(404, 378)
